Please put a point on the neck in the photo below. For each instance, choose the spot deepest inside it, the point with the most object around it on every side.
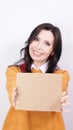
(38, 64)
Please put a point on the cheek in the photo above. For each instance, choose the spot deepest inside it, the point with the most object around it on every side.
(48, 51)
(30, 46)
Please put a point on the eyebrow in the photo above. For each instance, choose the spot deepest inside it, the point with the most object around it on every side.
(50, 42)
(45, 40)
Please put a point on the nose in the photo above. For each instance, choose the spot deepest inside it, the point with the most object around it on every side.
(39, 45)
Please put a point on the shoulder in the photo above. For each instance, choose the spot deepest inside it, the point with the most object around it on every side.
(65, 73)
(11, 72)
(61, 71)
(16, 68)
(13, 68)
(65, 78)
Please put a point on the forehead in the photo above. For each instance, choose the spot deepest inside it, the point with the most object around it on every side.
(46, 35)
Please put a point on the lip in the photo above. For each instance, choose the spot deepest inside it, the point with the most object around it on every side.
(37, 53)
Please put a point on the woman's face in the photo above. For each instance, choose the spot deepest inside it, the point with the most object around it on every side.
(41, 47)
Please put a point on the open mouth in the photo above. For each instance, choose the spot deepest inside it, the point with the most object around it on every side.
(37, 53)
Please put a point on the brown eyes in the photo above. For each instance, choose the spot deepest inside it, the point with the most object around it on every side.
(38, 40)
(47, 43)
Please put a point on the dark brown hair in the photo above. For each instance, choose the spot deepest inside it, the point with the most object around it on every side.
(57, 47)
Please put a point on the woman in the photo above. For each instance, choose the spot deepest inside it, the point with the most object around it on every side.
(42, 51)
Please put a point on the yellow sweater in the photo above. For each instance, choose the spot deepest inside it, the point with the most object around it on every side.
(32, 120)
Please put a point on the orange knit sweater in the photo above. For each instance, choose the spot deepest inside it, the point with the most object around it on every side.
(32, 120)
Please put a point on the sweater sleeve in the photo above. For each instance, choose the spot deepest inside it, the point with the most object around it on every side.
(11, 79)
(65, 79)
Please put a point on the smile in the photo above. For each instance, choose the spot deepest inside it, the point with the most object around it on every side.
(37, 53)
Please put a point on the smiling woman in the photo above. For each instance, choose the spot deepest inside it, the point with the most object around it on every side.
(44, 37)
(42, 51)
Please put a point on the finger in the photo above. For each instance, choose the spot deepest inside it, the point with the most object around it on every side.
(14, 96)
(64, 93)
(13, 104)
(15, 89)
(64, 98)
(65, 104)
(14, 101)
(64, 110)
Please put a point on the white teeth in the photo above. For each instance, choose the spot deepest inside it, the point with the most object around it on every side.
(36, 52)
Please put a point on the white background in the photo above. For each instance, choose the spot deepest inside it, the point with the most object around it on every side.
(17, 19)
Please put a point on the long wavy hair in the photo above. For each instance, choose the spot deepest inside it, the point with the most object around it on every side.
(53, 60)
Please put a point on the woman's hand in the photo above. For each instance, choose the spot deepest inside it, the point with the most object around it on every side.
(14, 96)
(64, 101)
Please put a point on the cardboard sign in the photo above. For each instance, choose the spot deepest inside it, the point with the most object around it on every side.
(39, 92)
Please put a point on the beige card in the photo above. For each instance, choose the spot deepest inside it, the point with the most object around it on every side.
(39, 92)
